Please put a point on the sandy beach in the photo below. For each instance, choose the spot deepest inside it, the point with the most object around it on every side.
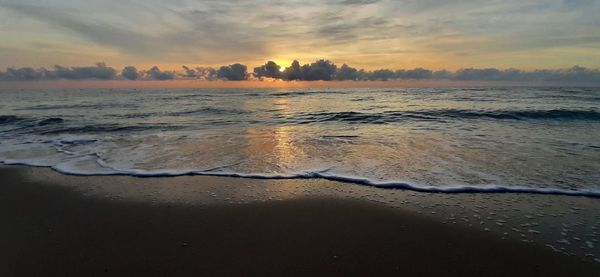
(51, 229)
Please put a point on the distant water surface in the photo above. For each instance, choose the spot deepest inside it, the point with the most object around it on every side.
(544, 140)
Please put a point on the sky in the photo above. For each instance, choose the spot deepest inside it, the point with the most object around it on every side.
(370, 34)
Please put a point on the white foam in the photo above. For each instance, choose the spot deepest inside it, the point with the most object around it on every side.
(89, 155)
(81, 166)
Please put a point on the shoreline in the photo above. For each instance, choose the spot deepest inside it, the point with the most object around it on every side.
(385, 185)
(63, 225)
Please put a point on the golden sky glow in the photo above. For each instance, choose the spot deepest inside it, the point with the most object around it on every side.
(366, 34)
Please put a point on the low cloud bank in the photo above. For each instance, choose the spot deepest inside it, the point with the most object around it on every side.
(234, 72)
(99, 72)
(322, 70)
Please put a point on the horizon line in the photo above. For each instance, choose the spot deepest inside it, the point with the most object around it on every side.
(277, 84)
(322, 69)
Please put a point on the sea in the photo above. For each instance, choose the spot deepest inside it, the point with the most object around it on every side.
(542, 140)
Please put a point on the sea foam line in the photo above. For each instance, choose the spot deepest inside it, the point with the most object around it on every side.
(321, 174)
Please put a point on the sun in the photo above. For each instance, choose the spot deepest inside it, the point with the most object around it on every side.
(282, 69)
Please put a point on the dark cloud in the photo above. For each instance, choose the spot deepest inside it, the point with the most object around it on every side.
(293, 72)
(189, 72)
(100, 71)
(345, 72)
(269, 70)
(416, 74)
(382, 74)
(25, 73)
(442, 75)
(206, 73)
(323, 70)
(130, 73)
(574, 74)
(319, 70)
(479, 74)
(156, 74)
(199, 73)
(234, 72)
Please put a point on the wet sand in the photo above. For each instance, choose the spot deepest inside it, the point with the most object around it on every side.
(50, 229)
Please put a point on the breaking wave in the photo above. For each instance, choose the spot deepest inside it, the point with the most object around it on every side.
(69, 169)
(444, 115)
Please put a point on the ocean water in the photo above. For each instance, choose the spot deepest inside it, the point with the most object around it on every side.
(516, 139)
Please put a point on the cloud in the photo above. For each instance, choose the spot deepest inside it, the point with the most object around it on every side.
(98, 32)
(226, 31)
(147, 30)
(483, 74)
(155, 73)
(234, 72)
(206, 73)
(100, 71)
(323, 70)
(442, 75)
(130, 73)
(352, 28)
(382, 74)
(188, 72)
(199, 73)
(293, 72)
(359, 2)
(575, 74)
(416, 74)
(320, 70)
(345, 72)
(24, 74)
(268, 70)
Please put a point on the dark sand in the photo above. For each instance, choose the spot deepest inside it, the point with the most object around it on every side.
(51, 230)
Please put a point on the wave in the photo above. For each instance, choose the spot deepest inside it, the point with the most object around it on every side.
(9, 119)
(51, 120)
(446, 114)
(67, 169)
(351, 117)
(301, 93)
(361, 99)
(208, 110)
(54, 126)
(29, 122)
(517, 115)
(79, 106)
(108, 128)
(58, 125)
